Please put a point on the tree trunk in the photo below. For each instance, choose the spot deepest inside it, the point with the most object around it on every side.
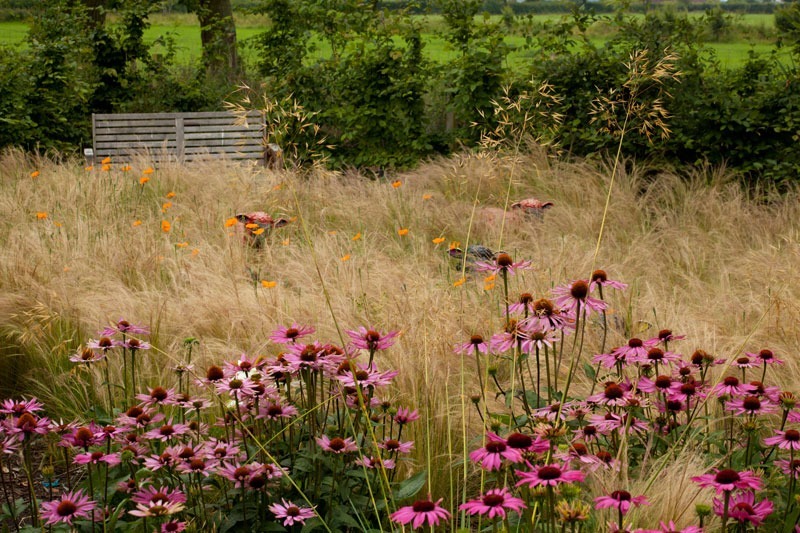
(218, 35)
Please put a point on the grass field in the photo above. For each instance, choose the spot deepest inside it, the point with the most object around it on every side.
(755, 34)
(83, 248)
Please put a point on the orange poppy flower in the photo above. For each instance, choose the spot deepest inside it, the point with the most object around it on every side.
(106, 161)
(143, 180)
(35, 174)
(402, 232)
(231, 222)
(356, 236)
(137, 223)
(268, 284)
(165, 226)
(41, 215)
(346, 257)
(459, 282)
(397, 184)
(148, 170)
(171, 194)
(438, 240)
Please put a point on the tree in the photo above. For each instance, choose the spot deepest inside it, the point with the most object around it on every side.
(218, 36)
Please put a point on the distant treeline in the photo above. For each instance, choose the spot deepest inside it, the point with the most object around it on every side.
(651, 89)
(11, 10)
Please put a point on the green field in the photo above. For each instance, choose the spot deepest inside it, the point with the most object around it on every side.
(748, 33)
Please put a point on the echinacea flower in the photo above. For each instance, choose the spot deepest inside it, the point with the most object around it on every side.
(162, 495)
(742, 508)
(503, 264)
(371, 339)
(575, 296)
(173, 526)
(494, 503)
(337, 444)
(290, 513)
(600, 279)
(476, 344)
(549, 476)
(729, 386)
(157, 508)
(670, 527)
(785, 440)
(157, 396)
(750, 405)
(405, 415)
(491, 455)
(726, 480)
(290, 335)
(395, 446)
(111, 459)
(620, 500)
(635, 351)
(71, 505)
(766, 357)
(421, 512)
(87, 356)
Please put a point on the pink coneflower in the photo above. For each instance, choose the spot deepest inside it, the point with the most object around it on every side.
(290, 335)
(395, 446)
(197, 465)
(291, 513)
(337, 444)
(729, 386)
(757, 388)
(610, 422)
(83, 437)
(790, 468)
(621, 500)
(28, 425)
(310, 356)
(173, 526)
(276, 411)
(157, 396)
(614, 394)
(238, 473)
(405, 415)
(111, 459)
(742, 508)
(750, 405)
(220, 449)
(476, 342)
(508, 338)
(600, 279)
(367, 375)
(635, 351)
(236, 387)
(525, 443)
(243, 364)
(523, 306)
(656, 355)
(373, 462)
(71, 505)
(745, 362)
(134, 345)
(548, 317)
(728, 480)
(576, 296)
(156, 509)
(124, 327)
(661, 385)
(785, 440)
(548, 475)
(420, 513)
(666, 335)
(765, 356)
(503, 264)
(494, 503)
(371, 339)
(103, 343)
(87, 356)
(167, 431)
(491, 455)
(17, 408)
(162, 495)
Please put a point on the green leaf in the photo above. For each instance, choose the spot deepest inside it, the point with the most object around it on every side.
(409, 487)
(588, 370)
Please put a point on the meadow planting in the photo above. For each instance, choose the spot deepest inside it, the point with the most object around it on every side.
(408, 353)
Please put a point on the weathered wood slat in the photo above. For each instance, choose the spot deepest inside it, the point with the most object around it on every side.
(222, 149)
(238, 156)
(137, 145)
(145, 116)
(134, 137)
(143, 124)
(256, 129)
(229, 135)
(214, 145)
(129, 129)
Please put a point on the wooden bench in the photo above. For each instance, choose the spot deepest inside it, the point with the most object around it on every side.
(182, 137)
